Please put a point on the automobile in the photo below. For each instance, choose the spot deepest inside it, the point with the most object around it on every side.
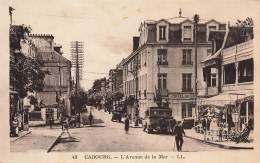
(188, 123)
(152, 118)
(117, 115)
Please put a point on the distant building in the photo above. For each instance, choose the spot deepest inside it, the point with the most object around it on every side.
(58, 83)
(116, 78)
(165, 62)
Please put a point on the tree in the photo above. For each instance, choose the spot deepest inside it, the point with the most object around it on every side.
(245, 23)
(78, 100)
(25, 73)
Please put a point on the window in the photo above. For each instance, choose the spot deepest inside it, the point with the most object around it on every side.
(162, 32)
(229, 74)
(208, 52)
(189, 110)
(183, 110)
(162, 81)
(187, 33)
(162, 57)
(186, 57)
(245, 70)
(212, 28)
(186, 83)
(213, 80)
(186, 110)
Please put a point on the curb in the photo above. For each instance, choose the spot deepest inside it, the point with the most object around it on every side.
(21, 136)
(220, 145)
(53, 143)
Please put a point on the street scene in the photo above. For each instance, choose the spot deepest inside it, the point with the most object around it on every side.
(146, 82)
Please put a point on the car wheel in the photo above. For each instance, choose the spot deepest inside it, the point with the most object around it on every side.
(150, 131)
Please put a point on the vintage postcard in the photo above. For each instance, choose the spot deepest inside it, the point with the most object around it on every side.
(129, 81)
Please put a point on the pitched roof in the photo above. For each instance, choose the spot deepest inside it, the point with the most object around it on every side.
(217, 35)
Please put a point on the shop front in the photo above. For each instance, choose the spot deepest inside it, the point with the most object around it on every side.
(225, 114)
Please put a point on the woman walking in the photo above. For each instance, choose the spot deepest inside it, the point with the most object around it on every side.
(126, 125)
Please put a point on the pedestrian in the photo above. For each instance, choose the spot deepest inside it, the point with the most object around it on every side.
(204, 127)
(15, 128)
(172, 124)
(66, 125)
(220, 133)
(50, 121)
(179, 132)
(90, 118)
(162, 125)
(126, 125)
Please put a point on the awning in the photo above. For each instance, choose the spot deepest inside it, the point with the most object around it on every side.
(222, 100)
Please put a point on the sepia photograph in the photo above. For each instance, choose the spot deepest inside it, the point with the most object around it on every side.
(145, 80)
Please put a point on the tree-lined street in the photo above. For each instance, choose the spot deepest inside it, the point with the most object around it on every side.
(110, 136)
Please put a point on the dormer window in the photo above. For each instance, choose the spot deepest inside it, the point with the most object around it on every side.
(211, 25)
(162, 27)
(162, 32)
(187, 33)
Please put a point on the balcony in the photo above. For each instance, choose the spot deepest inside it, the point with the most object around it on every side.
(162, 63)
(187, 90)
(210, 91)
(185, 63)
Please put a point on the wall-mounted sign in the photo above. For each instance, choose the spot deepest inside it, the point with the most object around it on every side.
(246, 99)
(182, 95)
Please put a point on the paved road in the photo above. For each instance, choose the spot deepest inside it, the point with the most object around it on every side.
(110, 136)
(40, 139)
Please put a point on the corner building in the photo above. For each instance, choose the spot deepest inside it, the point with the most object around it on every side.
(165, 61)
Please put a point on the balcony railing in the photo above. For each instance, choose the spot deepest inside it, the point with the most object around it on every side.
(162, 62)
(187, 90)
(184, 63)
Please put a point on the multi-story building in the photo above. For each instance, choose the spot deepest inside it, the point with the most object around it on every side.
(58, 84)
(229, 73)
(115, 83)
(19, 107)
(165, 61)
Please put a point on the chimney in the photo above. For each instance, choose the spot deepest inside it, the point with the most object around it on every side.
(135, 43)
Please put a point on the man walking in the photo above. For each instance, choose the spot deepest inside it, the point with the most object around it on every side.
(179, 132)
(162, 125)
(90, 118)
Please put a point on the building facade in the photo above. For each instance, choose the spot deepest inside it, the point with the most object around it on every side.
(233, 66)
(54, 99)
(165, 62)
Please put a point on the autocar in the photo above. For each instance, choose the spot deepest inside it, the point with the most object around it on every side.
(117, 115)
(152, 118)
(188, 123)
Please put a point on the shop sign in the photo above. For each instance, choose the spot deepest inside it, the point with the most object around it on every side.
(246, 99)
(182, 95)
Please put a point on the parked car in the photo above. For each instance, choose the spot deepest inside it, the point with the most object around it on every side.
(152, 118)
(188, 123)
(117, 115)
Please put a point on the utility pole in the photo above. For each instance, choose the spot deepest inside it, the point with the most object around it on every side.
(11, 9)
(77, 58)
(196, 20)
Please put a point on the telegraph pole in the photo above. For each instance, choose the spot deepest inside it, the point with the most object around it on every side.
(77, 58)
(196, 19)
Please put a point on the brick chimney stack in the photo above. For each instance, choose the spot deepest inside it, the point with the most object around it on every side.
(135, 43)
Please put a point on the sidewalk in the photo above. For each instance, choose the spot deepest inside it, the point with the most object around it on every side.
(190, 133)
(37, 139)
(21, 134)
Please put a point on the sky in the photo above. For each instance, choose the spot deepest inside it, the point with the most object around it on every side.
(107, 27)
